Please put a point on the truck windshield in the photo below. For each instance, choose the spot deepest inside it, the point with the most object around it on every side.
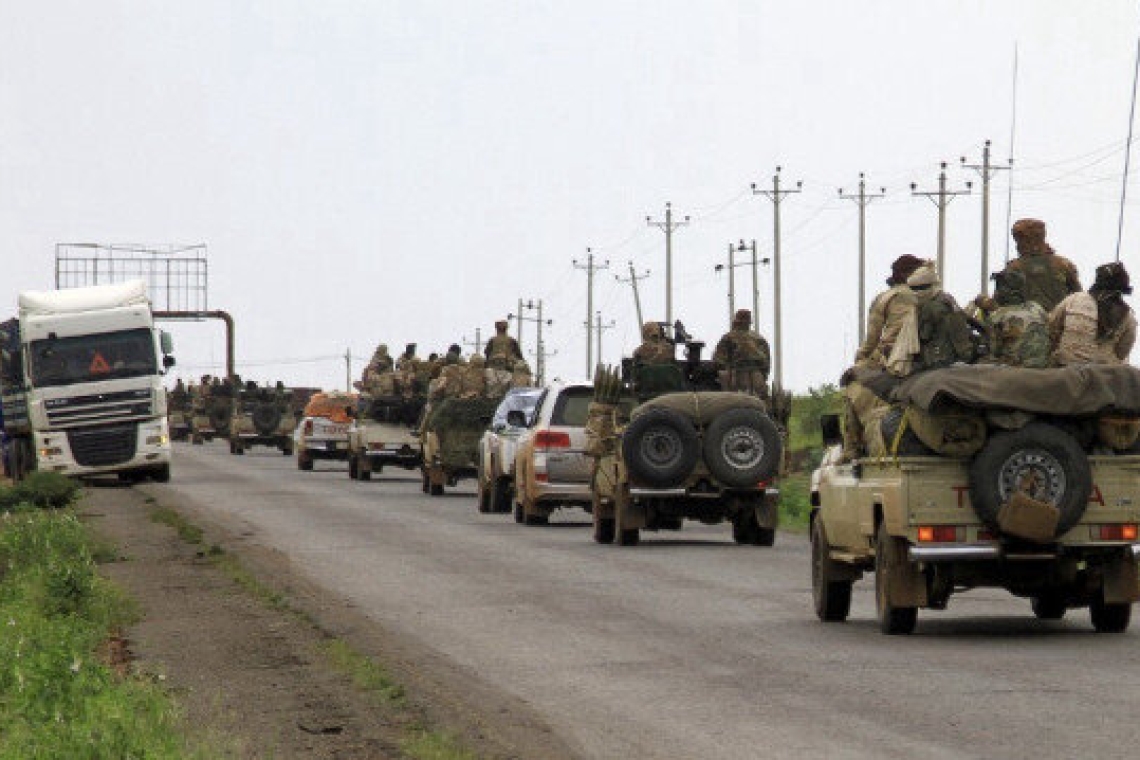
(87, 358)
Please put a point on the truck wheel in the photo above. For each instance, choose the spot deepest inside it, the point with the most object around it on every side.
(742, 447)
(484, 499)
(535, 519)
(1110, 618)
(363, 471)
(353, 467)
(660, 448)
(501, 496)
(436, 489)
(424, 483)
(832, 597)
(1040, 460)
(1049, 607)
(744, 527)
(889, 553)
(161, 474)
(196, 440)
(603, 526)
(287, 449)
(304, 461)
(518, 513)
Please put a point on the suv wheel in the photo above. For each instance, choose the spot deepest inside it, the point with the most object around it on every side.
(832, 597)
(1110, 617)
(889, 553)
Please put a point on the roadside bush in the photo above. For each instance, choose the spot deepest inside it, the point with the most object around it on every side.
(40, 489)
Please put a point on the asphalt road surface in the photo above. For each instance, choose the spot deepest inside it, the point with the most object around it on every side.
(686, 646)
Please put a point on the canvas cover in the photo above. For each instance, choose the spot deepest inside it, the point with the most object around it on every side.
(130, 293)
(1080, 390)
(703, 406)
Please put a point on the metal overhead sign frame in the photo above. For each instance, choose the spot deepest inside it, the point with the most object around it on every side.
(177, 278)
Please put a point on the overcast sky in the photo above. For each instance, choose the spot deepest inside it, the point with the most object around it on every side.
(367, 172)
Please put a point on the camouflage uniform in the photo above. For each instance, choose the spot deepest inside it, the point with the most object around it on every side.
(1017, 328)
(502, 350)
(1048, 277)
(654, 348)
(943, 331)
(381, 362)
(742, 357)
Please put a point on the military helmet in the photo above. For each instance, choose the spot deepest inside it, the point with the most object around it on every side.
(1112, 276)
(742, 317)
(501, 325)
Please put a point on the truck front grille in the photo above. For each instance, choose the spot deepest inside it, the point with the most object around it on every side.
(96, 408)
(103, 446)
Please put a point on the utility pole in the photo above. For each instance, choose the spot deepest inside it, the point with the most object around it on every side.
(741, 248)
(540, 358)
(348, 370)
(519, 327)
(600, 327)
(667, 227)
(477, 344)
(633, 278)
(941, 198)
(590, 268)
(986, 170)
(862, 200)
(540, 369)
(776, 195)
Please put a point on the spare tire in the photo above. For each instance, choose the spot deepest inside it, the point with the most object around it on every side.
(660, 448)
(742, 447)
(266, 417)
(1042, 461)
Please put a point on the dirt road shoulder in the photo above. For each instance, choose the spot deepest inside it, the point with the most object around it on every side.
(266, 663)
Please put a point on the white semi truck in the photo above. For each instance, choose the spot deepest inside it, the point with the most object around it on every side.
(81, 380)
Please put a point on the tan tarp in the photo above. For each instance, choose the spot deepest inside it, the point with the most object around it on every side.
(1068, 391)
(703, 406)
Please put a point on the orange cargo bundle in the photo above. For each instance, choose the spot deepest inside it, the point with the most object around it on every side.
(332, 405)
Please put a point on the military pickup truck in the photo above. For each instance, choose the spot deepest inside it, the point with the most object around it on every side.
(1022, 479)
(380, 435)
(262, 417)
(449, 440)
(670, 445)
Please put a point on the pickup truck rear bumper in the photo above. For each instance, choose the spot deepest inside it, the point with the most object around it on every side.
(984, 552)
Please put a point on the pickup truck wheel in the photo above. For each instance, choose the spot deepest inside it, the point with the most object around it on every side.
(304, 461)
(436, 489)
(1040, 460)
(1049, 607)
(660, 447)
(287, 449)
(161, 474)
(518, 513)
(353, 467)
(744, 527)
(832, 597)
(888, 554)
(484, 499)
(363, 472)
(742, 447)
(1110, 618)
(501, 496)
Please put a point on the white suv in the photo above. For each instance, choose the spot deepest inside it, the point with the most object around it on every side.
(552, 468)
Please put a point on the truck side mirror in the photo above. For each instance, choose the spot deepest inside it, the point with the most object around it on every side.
(829, 426)
(168, 361)
(165, 342)
(516, 418)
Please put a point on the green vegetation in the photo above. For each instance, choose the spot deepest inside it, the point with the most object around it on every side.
(423, 744)
(805, 446)
(63, 692)
(366, 674)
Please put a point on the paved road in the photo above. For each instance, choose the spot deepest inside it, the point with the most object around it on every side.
(686, 646)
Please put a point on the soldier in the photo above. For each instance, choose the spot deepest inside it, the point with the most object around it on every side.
(407, 359)
(654, 348)
(941, 330)
(502, 350)
(1048, 277)
(1017, 331)
(887, 312)
(1095, 327)
(454, 354)
(742, 357)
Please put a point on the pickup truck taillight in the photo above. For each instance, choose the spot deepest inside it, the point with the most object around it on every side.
(308, 430)
(1123, 532)
(942, 534)
(549, 439)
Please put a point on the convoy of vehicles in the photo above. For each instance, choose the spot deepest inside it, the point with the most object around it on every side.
(497, 447)
(81, 379)
(552, 467)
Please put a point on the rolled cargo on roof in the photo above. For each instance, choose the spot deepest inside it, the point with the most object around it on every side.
(130, 293)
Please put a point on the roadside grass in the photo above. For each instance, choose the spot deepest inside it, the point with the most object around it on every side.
(420, 742)
(795, 509)
(64, 691)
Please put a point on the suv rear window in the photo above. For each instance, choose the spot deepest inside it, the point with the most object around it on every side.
(572, 407)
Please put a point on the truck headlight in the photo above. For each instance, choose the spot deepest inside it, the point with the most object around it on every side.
(50, 451)
(156, 440)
